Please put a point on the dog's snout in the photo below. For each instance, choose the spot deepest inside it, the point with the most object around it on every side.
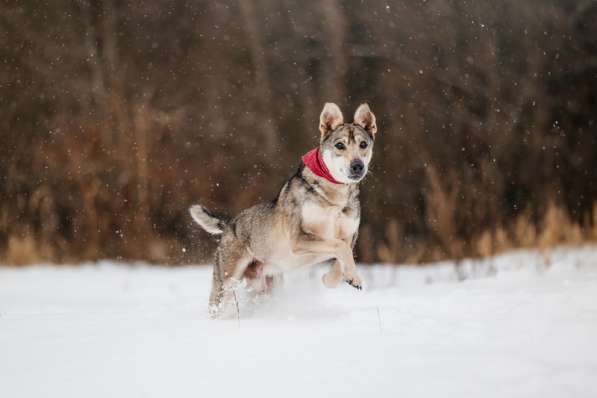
(356, 167)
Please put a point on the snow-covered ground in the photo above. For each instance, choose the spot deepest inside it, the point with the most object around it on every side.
(505, 327)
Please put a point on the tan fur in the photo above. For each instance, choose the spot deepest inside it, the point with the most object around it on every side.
(312, 220)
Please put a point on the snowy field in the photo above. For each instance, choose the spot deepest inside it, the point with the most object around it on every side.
(505, 327)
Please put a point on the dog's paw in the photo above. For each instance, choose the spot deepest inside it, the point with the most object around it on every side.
(355, 282)
(213, 311)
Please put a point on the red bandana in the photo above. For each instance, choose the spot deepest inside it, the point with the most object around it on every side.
(315, 163)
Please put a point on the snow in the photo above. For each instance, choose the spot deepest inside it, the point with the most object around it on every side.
(510, 326)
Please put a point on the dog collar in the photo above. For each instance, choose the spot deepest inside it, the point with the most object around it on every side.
(314, 161)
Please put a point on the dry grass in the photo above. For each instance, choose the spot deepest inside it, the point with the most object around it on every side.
(554, 228)
(22, 251)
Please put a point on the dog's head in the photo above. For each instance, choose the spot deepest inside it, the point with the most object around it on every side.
(347, 147)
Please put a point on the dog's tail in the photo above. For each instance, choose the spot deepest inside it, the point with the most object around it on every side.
(212, 223)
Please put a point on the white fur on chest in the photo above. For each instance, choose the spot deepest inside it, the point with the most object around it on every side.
(328, 222)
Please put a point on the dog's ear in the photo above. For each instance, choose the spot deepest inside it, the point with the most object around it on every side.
(366, 119)
(330, 118)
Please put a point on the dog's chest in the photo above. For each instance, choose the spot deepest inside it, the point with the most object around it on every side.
(329, 222)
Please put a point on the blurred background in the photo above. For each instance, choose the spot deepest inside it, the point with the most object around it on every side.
(115, 116)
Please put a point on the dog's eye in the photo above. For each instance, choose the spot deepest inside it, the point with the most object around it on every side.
(364, 144)
(340, 146)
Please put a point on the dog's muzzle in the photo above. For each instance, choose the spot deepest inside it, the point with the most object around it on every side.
(357, 169)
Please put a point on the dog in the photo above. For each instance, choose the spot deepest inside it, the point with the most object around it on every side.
(314, 218)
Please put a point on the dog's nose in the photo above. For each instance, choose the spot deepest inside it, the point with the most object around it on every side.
(356, 167)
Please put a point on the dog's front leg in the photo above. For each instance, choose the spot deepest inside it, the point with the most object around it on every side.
(333, 277)
(337, 249)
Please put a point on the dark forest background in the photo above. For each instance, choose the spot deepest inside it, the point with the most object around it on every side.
(115, 116)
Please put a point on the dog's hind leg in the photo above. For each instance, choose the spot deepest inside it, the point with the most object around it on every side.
(273, 282)
(232, 259)
(217, 291)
